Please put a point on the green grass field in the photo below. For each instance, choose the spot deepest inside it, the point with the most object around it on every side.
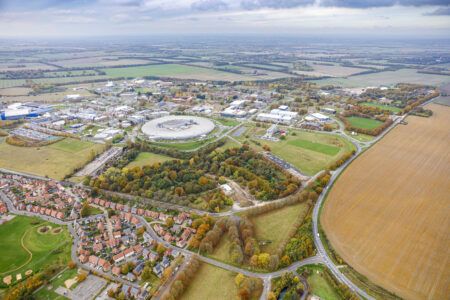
(393, 109)
(364, 123)
(49, 291)
(205, 284)
(185, 146)
(310, 152)
(148, 158)
(272, 226)
(317, 147)
(56, 160)
(320, 286)
(175, 71)
(212, 283)
(24, 248)
(227, 122)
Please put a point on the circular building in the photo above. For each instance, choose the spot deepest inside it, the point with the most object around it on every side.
(177, 127)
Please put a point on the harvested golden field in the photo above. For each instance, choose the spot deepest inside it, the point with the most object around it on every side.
(388, 215)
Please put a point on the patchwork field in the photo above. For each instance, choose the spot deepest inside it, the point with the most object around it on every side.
(386, 78)
(388, 214)
(310, 152)
(148, 158)
(364, 123)
(56, 160)
(25, 248)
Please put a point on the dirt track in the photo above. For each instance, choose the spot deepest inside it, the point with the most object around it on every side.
(388, 215)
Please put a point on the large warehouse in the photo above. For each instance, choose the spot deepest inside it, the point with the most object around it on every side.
(177, 127)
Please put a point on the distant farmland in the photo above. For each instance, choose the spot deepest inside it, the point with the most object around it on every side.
(388, 214)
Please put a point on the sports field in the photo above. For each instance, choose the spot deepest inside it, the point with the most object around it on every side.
(388, 213)
(56, 160)
(310, 152)
(148, 158)
(393, 109)
(364, 123)
(25, 248)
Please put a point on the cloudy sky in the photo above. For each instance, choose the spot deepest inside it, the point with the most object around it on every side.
(75, 18)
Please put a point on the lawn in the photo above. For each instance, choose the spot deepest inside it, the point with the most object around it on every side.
(183, 146)
(364, 123)
(227, 122)
(148, 158)
(49, 291)
(319, 284)
(393, 109)
(317, 147)
(272, 226)
(24, 248)
(211, 283)
(310, 152)
(56, 160)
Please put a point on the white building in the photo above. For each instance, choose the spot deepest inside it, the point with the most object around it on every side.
(283, 119)
(281, 112)
(318, 117)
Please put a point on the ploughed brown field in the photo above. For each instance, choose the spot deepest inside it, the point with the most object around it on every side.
(388, 215)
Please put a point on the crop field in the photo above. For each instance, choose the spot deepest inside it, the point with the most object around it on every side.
(272, 226)
(310, 152)
(386, 78)
(25, 248)
(364, 123)
(381, 106)
(7, 83)
(334, 71)
(56, 160)
(387, 215)
(148, 158)
(98, 62)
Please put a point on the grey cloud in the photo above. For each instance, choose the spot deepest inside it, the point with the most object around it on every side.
(209, 5)
(256, 4)
(442, 11)
(380, 3)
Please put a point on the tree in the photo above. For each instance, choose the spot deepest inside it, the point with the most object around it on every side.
(81, 277)
(170, 222)
(146, 273)
(167, 273)
(239, 279)
(85, 210)
(71, 264)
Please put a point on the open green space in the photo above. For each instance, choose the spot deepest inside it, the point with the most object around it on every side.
(310, 152)
(49, 291)
(211, 283)
(364, 123)
(360, 136)
(184, 146)
(271, 227)
(227, 122)
(56, 160)
(148, 158)
(176, 71)
(25, 248)
(393, 109)
(320, 286)
(318, 147)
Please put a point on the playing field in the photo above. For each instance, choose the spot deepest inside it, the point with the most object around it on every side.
(25, 248)
(310, 152)
(56, 160)
(381, 106)
(388, 213)
(148, 158)
(364, 123)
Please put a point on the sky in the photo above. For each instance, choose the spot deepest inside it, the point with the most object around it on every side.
(79, 18)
